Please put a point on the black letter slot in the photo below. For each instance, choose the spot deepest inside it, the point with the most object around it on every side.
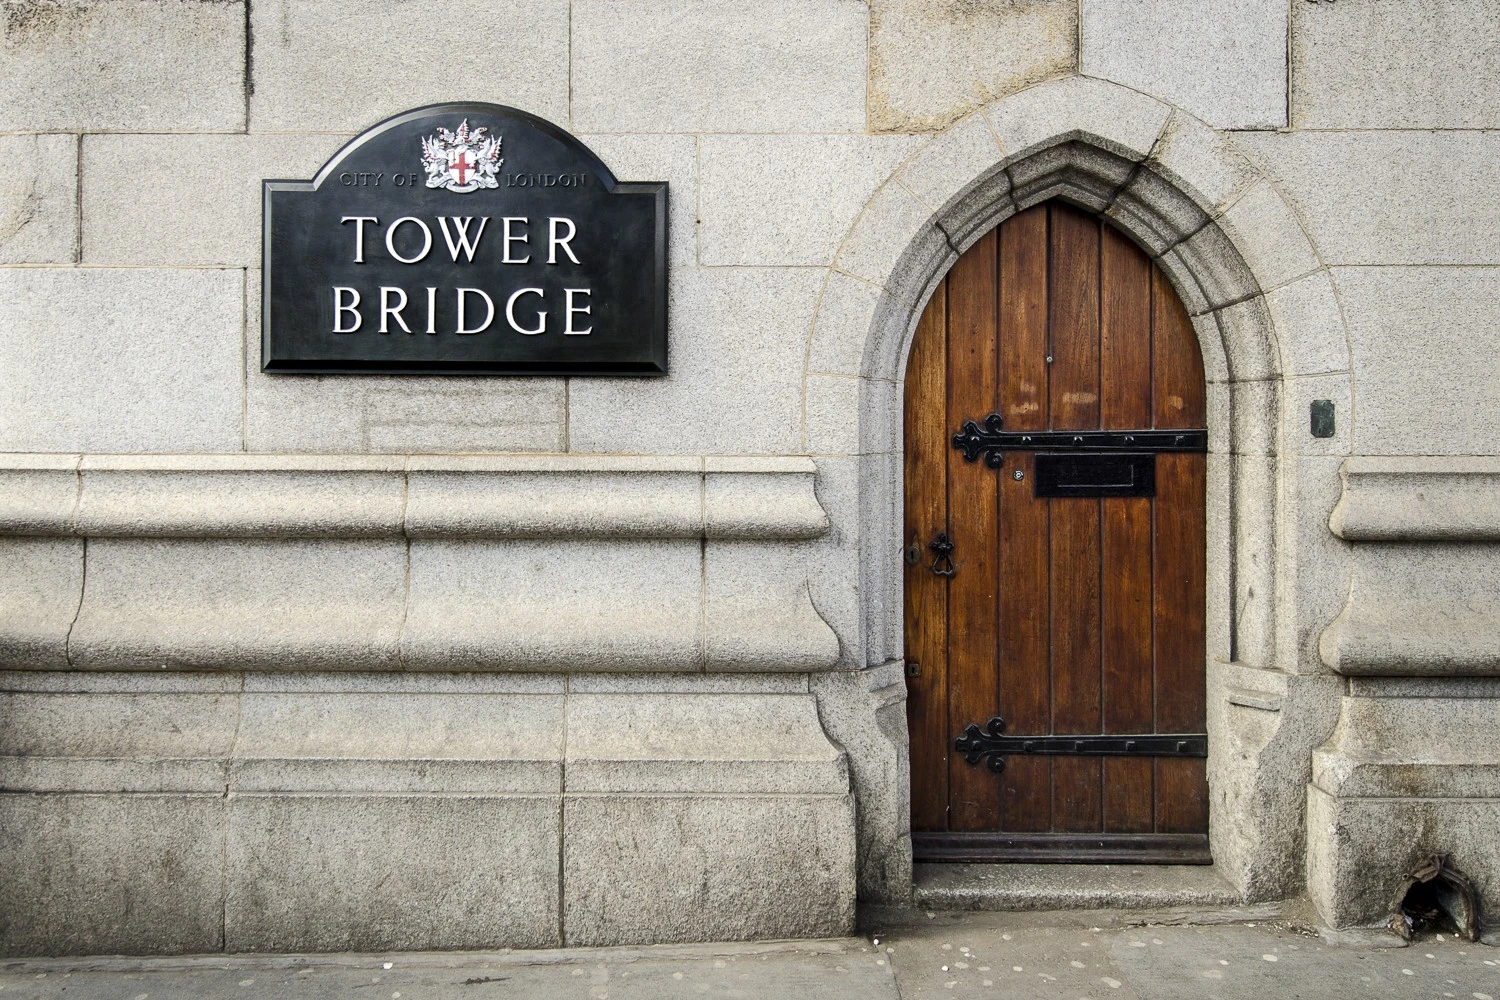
(1095, 475)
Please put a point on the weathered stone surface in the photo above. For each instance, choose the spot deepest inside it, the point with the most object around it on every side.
(629, 605)
(662, 868)
(1269, 237)
(111, 874)
(657, 684)
(38, 494)
(1315, 564)
(39, 199)
(757, 614)
(1223, 62)
(1410, 330)
(833, 562)
(390, 872)
(731, 390)
(243, 496)
(865, 712)
(761, 498)
(1375, 65)
(1249, 341)
(126, 66)
(1125, 121)
(348, 64)
(1360, 850)
(894, 224)
(833, 410)
(385, 742)
(1262, 728)
(400, 414)
(240, 603)
(41, 584)
(1155, 211)
(103, 742)
(1406, 774)
(788, 200)
(187, 199)
(1420, 609)
(1370, 197)
(120, 360)
(845, 312)
(932, 62)
(646, 743)
(701, 66)
(1309, 326)
(1418, 499)
(466, 497)
(1202, 162)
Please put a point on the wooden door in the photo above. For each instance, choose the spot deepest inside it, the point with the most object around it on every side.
(1072, 599)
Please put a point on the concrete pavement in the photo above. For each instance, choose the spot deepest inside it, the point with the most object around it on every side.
(1178, 954)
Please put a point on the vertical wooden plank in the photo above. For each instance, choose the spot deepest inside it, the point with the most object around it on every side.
(1073, 319)
(1127, 656)
(1124, 333)
(1176, 360)
(926, 513)
(1125, 403)
(1025, 600)
(1181, 789)
(1178, 563)
(1073, 315)
(1023, 320)
(973, 519)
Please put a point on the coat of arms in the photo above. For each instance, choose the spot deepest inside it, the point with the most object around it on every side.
(463, 160)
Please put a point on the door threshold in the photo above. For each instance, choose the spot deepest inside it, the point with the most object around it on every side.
(1063, 848)
(1069, 887)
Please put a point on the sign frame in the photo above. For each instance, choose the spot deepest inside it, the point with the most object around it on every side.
(653, 361)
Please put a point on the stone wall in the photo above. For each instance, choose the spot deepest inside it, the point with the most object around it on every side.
(1316, 177)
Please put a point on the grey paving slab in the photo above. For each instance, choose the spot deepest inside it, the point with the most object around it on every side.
(1127, 956)
(818, 970)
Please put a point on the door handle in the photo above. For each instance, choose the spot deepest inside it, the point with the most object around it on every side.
(943, 546)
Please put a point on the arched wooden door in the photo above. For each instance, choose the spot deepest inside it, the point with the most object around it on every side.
(1071, 602)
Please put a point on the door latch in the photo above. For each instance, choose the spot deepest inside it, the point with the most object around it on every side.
(943, 546)
(913, 668)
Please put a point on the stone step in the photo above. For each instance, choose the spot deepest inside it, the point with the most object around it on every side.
(1069, 887)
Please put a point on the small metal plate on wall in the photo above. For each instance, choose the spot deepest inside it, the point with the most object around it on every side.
(1120, 474)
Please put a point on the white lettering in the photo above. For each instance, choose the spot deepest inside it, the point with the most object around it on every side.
(390, 239)
(489, 317)
(359, 233)
(569, 309)
(506, 258)
(553, 241)
(510, 313)
(340, 307)
(431, 309)
(387, 310)
(463, 243)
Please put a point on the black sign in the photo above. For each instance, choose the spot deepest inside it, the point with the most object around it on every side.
(465, 239)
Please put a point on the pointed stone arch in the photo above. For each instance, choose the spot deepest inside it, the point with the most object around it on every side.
(1261, 302)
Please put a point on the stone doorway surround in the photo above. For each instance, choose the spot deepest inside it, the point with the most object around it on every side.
(1273, 338)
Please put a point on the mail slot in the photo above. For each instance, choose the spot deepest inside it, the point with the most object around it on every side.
(1116, 474)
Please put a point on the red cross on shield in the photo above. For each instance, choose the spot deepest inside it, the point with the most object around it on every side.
(460, 165)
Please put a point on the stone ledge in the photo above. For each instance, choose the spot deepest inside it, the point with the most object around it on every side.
(1427, 609)
(357, 496)
(1418, 499)
(1412, 748)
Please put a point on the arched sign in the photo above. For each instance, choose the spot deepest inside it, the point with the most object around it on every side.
(465, 239)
